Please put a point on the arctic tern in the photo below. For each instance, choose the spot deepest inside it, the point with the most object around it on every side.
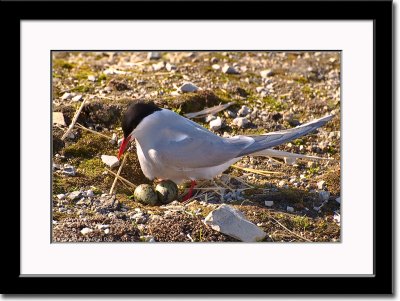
(170, 146)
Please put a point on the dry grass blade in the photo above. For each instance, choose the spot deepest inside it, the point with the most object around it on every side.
(256, 171)
(208, 111)
(71, 126)
(91, 131)
(121, 178)
(291, 232)
(117, 175)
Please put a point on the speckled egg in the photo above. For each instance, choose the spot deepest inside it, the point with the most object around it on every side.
(145, 194)
(167, 191)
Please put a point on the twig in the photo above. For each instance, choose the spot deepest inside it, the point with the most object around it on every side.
(212, 111)
(121, 178)
(299, 236)
(117, 175)
(91, 131)
(71, 126)
(260, 172)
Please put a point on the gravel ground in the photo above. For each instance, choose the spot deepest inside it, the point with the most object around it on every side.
(271, 91)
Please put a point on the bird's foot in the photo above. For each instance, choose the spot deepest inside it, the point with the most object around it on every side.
(190, 193)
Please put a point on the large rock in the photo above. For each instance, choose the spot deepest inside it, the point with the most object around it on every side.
(232, 222)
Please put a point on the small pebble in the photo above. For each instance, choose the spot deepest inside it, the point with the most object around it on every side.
(289, 209)
(91, 78)
(66, 96)
(241, 122)
(159, 66)
(216, 67)
(77, 98)
(69, 170)
(85, 231)
(153, 55)
(210, 117)
(188, 87)
(243, 111)
(89, 193)
(106, 231)
(229, 69)
(74, 195)
(281, 183)
(321, 185)
(61, 196)
(170, 67)
(269, 203)
(216, 124)
(266, 73)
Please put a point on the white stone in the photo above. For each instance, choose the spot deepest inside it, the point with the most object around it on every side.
(210, 117)
(74, 195)
(269, 203)
(85, 231)
(101, 227)
(230, 221)
(77, 98)
(61, 196)
(158, 66)
(58, 118)
(106, 231)
(215, 124)
(229, 70)
(89, 193)
(66, 96)
(241, 122)
(243, 111)
(153, 55)
(111, 161)
(91, 78)
(216, 67)
(289, 209)
(170, 67)
(147, 238)
(321, 185)
(282, 183)
(69, 170)
(188, 87)
(266, 73)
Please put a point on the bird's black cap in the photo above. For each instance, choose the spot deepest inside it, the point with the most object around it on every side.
(135, 114)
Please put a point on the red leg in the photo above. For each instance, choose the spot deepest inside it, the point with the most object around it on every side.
(190, 193)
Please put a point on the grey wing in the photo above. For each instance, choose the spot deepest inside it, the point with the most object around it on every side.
(195, 147)
(276, 138)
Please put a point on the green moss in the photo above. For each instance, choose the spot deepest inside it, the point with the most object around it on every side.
(301, 80)
(275, 104)
(59, 63)
(102, 77)
(307, 91)
(82, 89)
(301, 222)
(91, 167)
(298, 142)
(88, 146)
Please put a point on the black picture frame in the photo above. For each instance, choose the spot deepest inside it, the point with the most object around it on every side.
(379, 11)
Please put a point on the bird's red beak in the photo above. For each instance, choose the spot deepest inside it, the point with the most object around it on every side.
(123, 146)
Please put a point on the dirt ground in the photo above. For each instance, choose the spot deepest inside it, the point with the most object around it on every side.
(298, 202)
